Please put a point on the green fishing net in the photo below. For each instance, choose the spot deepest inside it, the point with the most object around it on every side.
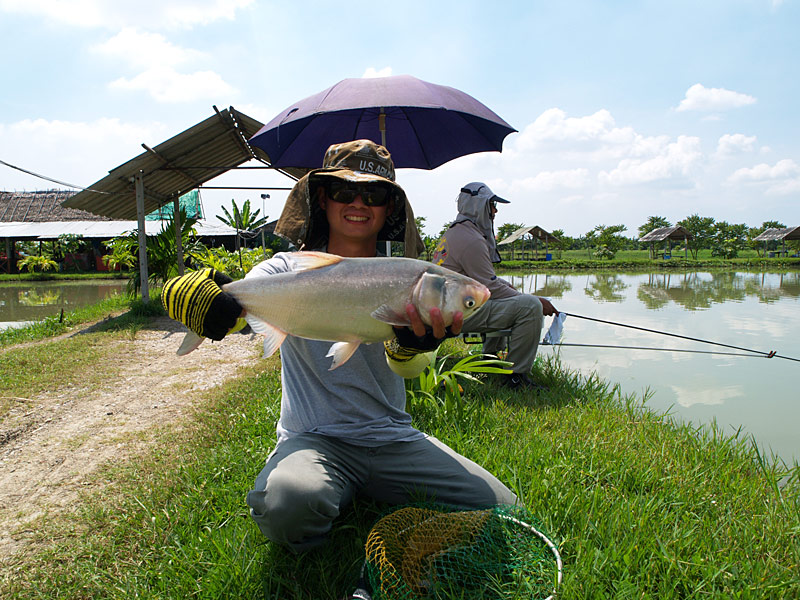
(434, 551)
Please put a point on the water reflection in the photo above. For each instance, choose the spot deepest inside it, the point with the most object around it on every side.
(37, 300)
(746, 310)
(692, 291)
(550, 286)
(606, 288)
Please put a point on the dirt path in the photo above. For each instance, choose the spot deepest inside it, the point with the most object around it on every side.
(51, 444)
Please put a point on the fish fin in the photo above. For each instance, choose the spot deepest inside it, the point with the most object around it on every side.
(389, 315)
(273, 337)
(190, 342)
(341, 353)
(305, 261)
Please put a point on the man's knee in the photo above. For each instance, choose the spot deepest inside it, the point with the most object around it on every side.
(529, 307)
(290, 512)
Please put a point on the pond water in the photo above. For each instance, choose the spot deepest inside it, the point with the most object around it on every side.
(33, 301)
(750, 310)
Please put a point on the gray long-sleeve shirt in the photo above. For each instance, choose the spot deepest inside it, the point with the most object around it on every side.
(463, 249)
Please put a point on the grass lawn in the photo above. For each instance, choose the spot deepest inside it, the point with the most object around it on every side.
(639, 507)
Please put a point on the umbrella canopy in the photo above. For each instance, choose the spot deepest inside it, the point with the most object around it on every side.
(423, 125)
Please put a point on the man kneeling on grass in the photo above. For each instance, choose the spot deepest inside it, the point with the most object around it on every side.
(345, 432)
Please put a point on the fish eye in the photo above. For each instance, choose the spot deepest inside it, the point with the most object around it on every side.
(469, 302)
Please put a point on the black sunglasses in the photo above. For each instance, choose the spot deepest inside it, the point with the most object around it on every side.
(372, 194)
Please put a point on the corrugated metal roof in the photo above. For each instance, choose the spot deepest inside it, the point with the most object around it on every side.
(789, 233)
(98, 229)
(176, 166)
(676, 232)
(534, 231)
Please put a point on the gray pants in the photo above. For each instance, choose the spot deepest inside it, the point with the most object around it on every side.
(309, 478)
(523, 315)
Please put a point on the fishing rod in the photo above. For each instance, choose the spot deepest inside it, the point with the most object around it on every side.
(659, 349)
(770, 354)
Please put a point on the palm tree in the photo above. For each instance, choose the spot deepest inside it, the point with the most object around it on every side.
(244, 221)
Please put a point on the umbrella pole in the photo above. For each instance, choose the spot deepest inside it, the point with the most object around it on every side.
(382, 125)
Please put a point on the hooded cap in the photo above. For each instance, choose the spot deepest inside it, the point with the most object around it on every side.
(303, 222)
(473, 205)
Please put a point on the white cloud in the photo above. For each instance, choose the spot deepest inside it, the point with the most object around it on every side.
(675, 162)
(783, 169)
(782, 179)
(77, 152)
(737, 143)
(372, 72)
(165, 84)
(144, 49)
(159, 58)
(176, 14)
(699, 97)
(594, 137)
(546, 181)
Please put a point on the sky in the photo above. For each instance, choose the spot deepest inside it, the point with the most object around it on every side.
(624, 109)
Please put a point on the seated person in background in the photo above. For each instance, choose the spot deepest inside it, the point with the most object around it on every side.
(345, 432)
(469, 247)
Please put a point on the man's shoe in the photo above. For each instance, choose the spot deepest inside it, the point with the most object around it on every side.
(520, 381)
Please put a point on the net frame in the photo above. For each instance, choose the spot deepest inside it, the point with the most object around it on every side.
(497, 511)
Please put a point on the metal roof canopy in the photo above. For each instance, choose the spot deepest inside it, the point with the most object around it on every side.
(789, 233)
(676, 232)
(534, 231)
(162, 174)
(178, 165)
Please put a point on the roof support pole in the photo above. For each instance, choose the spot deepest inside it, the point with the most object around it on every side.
(145, 283)
(9, 256)
(176, 213)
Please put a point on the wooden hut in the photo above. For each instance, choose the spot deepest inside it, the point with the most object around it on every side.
(779, 235)
(531, 235)
(668, 234)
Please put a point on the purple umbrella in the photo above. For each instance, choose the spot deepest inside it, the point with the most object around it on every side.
(422, 124)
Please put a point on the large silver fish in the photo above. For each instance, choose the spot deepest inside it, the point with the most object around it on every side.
(348, 300)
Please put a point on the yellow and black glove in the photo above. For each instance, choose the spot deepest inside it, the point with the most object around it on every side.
(403, 351)
(197, 300)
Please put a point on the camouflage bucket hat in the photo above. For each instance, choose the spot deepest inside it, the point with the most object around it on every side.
(303, 223)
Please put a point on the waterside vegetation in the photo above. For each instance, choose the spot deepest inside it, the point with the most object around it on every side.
(640, 506)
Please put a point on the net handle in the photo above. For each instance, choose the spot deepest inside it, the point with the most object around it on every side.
(550, 544)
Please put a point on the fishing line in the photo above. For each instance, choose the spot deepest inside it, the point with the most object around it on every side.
(2, 162)
(770, 354)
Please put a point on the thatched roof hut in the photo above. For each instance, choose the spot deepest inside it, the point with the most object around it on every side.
(779, 235)
(532, 233)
